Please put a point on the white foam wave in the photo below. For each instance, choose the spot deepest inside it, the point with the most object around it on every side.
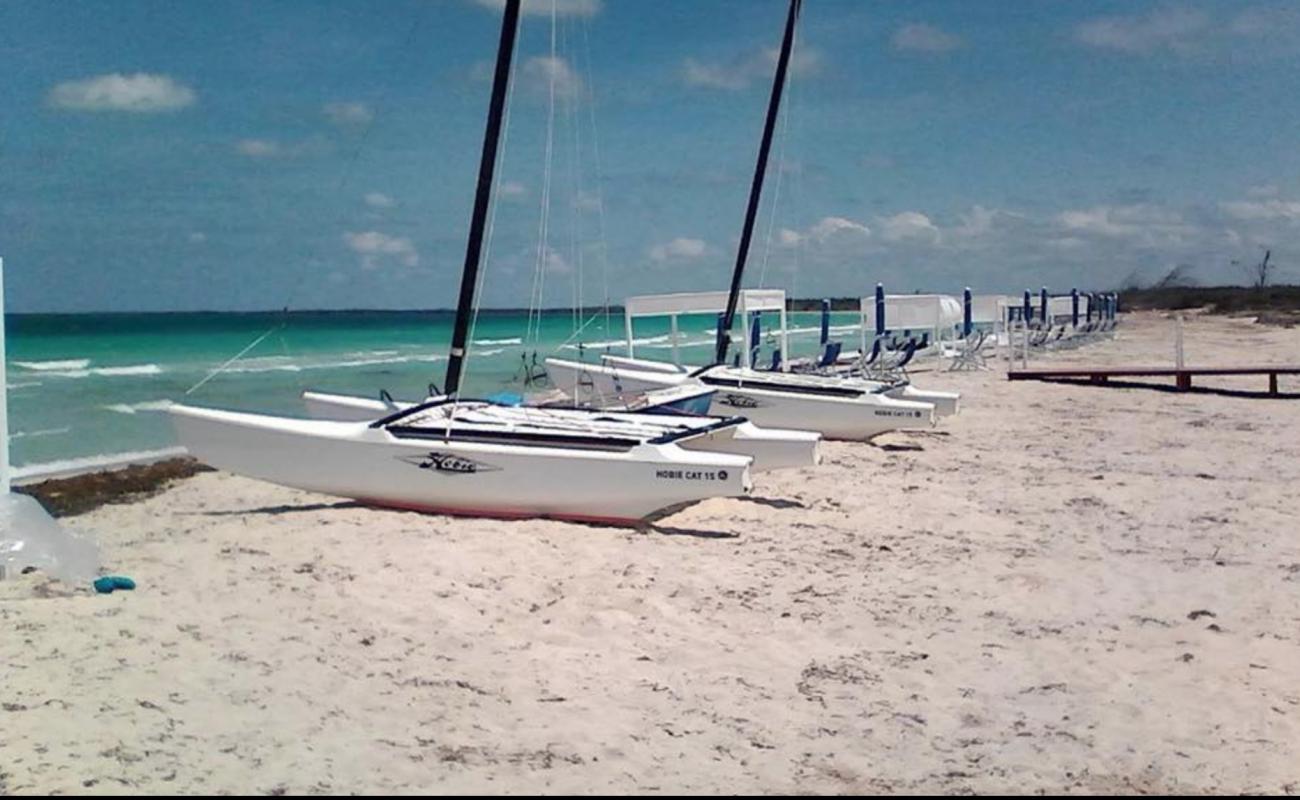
(135, 408)
(98, 463)
(46, 366)
(43, 432)
(131, 370)
(498, 341)
(279, 364)
(649, 340)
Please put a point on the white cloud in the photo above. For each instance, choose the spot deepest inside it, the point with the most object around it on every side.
(556, 264)
(1173, 28)
(513, 189)
(1268, 23)
(258, 148)
(837, 226)
(139, 93)
(789, 238)
(907, 225)
(679, 249)
(740, 72)
(1274, 209)
(348, 114)
(1142, 223)
(540, 71)
(266, 149)
(922, 38)
(375, 248)
(538, 8)
(198, 237)
(379, 200)
(587, 201)
(1263, 190)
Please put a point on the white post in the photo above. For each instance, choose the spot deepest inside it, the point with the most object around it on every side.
(785, 343)
(862, 330)
(627, 321)
(1024, 352)
(1008, 351)
(744, 332)
(676, 357)
(4, 393)
(1178, 340)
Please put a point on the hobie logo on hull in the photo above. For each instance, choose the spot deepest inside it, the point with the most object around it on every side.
(737, 401)
(449, 463)
(898, 413)
(690, 475)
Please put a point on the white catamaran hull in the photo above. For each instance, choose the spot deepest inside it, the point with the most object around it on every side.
(853, 415)
(771, 448)
(369, 464)
(945, 404)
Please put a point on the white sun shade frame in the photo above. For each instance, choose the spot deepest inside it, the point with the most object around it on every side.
(940, 314)
(675, 305)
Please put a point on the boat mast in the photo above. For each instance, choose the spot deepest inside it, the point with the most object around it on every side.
(756, 190)
(482, 198)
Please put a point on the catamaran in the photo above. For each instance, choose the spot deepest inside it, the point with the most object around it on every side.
(771, 448)
(460, 456)
(836, 407)
(842, 407)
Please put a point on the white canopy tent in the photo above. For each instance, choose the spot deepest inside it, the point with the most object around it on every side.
(1060, 306)
(991, 309)
(938, 314)
(675, 305)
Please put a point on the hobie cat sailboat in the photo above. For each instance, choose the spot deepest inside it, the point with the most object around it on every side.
(664, 404)
(833, 406)
(477, 458)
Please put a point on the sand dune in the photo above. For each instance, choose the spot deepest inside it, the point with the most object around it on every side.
(1062, 589)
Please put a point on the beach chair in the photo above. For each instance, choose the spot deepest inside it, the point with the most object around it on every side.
(892, 367)
(969, 354)
(830, 354)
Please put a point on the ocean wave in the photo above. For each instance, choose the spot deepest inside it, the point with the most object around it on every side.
(649, 340)
(43, 432)
(104, 461)
(682, 343)
(131, 370)
(134, 408)
(23, 384)
(278, 364)
(498, 341)
(46, 366)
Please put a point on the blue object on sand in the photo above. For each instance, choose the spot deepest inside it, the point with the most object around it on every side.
(109, 583)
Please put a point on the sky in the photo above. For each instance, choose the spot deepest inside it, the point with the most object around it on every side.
(226, 155)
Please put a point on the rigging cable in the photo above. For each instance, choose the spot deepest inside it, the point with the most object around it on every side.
(602, 241)
(533, 331)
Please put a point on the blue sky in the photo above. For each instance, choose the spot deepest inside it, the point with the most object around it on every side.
(246, 155)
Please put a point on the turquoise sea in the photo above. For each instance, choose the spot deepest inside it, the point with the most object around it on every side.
(93, 386)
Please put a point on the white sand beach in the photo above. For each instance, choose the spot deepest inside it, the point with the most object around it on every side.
(1062, 589)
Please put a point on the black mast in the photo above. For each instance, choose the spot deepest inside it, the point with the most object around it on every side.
(483, 197)
(756, 190)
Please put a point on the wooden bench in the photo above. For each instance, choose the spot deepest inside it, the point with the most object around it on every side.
(1182, 375)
